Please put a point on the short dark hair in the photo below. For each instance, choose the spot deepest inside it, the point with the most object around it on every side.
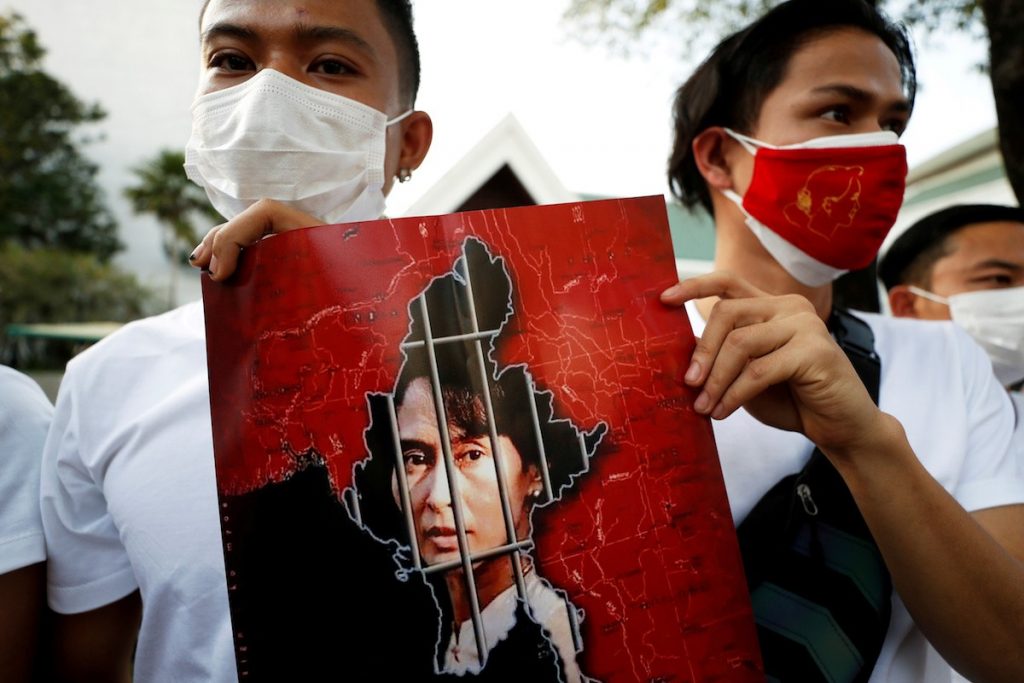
(462, 396)
(730, 87)
(510, 394)
(910, 258)
(397, 18)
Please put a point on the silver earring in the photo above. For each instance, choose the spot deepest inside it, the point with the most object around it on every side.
(535, 494)
(404, 175)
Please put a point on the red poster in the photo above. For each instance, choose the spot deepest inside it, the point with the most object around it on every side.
(460, 447)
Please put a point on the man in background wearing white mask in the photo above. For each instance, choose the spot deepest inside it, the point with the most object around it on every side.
(304, 115)
(966, 264)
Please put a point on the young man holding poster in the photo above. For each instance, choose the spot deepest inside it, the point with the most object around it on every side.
(128, 495)
(787, 134)
(930, 470)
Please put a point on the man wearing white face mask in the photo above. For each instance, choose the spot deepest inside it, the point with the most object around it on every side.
(305, 115)
(274, 137)
(966, 264)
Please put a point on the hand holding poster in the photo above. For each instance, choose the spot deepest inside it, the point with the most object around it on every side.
(461, 446)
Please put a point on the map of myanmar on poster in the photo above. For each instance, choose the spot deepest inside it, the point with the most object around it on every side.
(460, 448)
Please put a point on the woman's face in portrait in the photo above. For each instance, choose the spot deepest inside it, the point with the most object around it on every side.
(475, 475)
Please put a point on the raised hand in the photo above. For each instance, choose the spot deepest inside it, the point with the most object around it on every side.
(219, 250)
(774, 356)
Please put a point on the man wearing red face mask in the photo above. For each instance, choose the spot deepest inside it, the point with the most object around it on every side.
(304, 115)
(788, 135)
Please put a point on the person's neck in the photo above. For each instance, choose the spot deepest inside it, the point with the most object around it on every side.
(737, 250)
(492, 577)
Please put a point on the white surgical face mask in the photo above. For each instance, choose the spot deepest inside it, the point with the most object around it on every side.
(799, 264)
(273, 137)
(995, 319)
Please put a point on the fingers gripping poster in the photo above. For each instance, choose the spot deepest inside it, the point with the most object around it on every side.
(460, 448)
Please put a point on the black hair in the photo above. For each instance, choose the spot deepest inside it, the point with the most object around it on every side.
(730, 87)
(398, 20)
(912, 255)
(462, 397)
(511, 392)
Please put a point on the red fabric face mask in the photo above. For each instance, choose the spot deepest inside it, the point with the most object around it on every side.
(832, 198)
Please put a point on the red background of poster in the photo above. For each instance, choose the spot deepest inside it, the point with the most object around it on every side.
(313, 320)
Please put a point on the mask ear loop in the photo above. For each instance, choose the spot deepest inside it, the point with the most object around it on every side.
(399, 118)
(749, 143)
(732, 196)
(925, 294)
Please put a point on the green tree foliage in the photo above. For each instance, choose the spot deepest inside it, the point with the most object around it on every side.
(164, 191)
(48, 191)
(45, 285)
(56, 234)
(177, 203)
(630, 19)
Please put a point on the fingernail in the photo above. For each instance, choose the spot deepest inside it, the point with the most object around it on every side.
(671, 292)
(702, 403)
(693, 374)
(213, 266)
(194, 254)
(718, 413)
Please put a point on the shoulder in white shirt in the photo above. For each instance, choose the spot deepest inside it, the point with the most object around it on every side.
(129, 498)
(25, 415)
(939, 384)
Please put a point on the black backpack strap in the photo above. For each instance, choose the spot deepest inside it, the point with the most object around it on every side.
(855, 337)
(819, 588)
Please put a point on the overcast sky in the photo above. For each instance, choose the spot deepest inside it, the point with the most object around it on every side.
(600, 119)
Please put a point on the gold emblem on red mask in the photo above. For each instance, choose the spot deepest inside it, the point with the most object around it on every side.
(828, 200)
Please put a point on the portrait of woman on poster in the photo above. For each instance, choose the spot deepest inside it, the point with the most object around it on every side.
(407, 495)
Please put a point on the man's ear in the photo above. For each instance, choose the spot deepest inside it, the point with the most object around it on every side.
(710, 149)
(417, 134)
(901, 301)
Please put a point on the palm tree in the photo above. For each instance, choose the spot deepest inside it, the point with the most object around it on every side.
(164, 191)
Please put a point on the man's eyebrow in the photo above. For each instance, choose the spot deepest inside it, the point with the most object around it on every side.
(857, 95)
(417, 444)
(998, 263)
(305, 33)
(225, 30)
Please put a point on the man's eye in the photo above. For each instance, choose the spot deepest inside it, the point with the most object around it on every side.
(897, 126)
(997, 280)
(228, 61)
(837, 114)
(331, 67)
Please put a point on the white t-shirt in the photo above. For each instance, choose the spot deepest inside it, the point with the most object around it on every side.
(25, 415)
(1018, 436)
(940, 386)
(129, 495)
